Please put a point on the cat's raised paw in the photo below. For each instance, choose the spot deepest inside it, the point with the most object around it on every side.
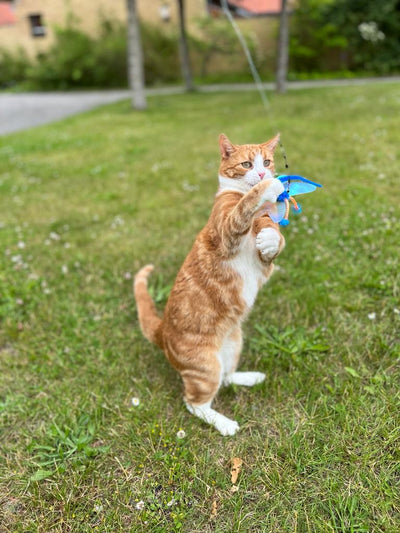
(267, 242)
(272, 192)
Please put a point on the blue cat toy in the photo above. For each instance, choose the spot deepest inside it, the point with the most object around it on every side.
(294, 185)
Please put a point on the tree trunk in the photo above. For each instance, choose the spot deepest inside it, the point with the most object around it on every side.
(135, 58)
(283, 49)
(184, 49)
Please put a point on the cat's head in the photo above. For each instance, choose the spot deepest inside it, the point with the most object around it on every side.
(245, 165)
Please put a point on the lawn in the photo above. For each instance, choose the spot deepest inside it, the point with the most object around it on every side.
(84, 203)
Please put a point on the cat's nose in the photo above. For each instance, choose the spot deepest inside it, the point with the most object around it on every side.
(261, 174)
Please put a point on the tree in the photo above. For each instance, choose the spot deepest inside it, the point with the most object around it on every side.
(184, 49)
(283, 49)
(135, 58)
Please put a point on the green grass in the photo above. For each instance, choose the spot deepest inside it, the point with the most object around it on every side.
(87, 201)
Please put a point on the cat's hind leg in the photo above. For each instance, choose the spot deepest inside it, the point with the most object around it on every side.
(248, 379)
(223, 424)
(229, 356)
(201, 382)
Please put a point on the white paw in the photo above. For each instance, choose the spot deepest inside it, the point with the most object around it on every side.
(273, 191)
(247, 379)
(268, 241)
(223, 424)
(226, 426)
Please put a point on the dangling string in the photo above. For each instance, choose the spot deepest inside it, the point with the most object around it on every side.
(284, 154)
(257, 80)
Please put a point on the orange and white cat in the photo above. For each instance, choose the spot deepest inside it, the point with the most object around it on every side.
(200, 331)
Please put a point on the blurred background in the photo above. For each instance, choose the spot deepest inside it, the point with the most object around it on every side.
(63, 44)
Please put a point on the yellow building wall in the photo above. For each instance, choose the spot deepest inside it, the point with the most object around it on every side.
(87, 14)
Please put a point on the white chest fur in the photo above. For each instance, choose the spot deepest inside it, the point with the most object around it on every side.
(247, 264)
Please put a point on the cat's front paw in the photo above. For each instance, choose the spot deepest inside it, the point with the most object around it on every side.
(268, 242)
(272, 192)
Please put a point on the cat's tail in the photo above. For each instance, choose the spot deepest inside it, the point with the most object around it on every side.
(150, 322)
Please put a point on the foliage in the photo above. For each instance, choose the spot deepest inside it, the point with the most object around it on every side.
(13, 67)
(76, 59)
(161, 55)
(372, 32)
(346, 34)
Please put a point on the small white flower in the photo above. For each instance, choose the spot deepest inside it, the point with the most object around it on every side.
(396, 311)
(19, 301)
(188, 187)
(67, 245)
(33, 276)
(21, 245)
(171, 502)
(98, 508)
(64, 269)
(16, 258)
(46, 290)
(181, 434)
(117, 221)
(128, 275)
(54, 236)
(47, 242)
(372, 316)
(140, 505)
(135, 401)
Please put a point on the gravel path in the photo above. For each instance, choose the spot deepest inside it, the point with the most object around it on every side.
(20, 111)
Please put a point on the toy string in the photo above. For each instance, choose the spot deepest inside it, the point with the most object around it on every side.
(256, 76)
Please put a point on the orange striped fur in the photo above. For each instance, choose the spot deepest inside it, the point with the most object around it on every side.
(215, 289)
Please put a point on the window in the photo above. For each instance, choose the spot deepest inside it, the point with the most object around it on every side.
(38, 29)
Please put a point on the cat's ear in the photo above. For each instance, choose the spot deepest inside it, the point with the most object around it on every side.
(225, 146)
(272, 143)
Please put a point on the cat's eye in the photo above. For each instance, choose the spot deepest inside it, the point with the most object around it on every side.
(247, 164)
(267, 162)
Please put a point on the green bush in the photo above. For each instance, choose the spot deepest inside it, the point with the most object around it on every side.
(13, 67)
(353, 35)
(77, 60)
(161, 55)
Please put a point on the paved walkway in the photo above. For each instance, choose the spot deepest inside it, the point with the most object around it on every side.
(21, 111)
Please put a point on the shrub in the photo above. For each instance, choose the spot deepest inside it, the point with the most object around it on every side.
(77, 60)
(13, 67)
(358, 35)
(161, 55)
